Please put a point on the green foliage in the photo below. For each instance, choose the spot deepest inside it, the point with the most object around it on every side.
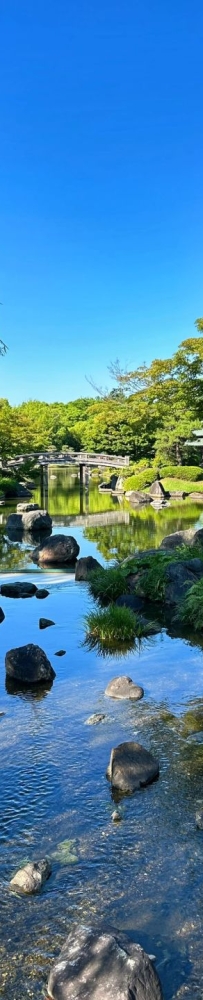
(115, 626)
(183, 472)
(140, 480)
(152, 576)
(8, 486)
(191, 610)
(107, 584)
(182, 485)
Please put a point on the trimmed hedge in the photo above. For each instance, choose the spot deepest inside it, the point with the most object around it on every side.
(191, 473)
(139, 481)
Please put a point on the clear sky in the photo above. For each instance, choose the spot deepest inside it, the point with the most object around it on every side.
(101, 183)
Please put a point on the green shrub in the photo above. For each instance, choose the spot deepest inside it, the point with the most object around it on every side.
(139, 480)
(191, 610)
(115, 626)
(8, 486)
(107, 584)
(153, 576)
(189, 473)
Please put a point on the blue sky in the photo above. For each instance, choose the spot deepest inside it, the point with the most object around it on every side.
(101, 249)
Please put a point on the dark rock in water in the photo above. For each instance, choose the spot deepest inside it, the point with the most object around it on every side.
(102, 965)
(131, 767)
(14, 524)
(36, 520)
(2, 615)
(130, 601)
(179, 579)
(111, 485)
(42, 593)
(123, 688)
(23, 508)
(30, 878)
(60, 652)
(95, 719)
(18, 589)
(45, 622)
(58, 549)
(199, 819)
(85, 566)
(137, 498)
(28, 665)
(157, 491)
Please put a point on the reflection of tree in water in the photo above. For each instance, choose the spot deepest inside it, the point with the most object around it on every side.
(11, 556)
(146, 529)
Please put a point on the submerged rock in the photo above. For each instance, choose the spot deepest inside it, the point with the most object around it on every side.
(116, 816)
(45, 622)
(124, 687)
(85, 566)
(2, 615)
(131, 767)
(98, 964)
(28, 665)
(18, 589)
(58, 549)
(95, 719)
(30, 878)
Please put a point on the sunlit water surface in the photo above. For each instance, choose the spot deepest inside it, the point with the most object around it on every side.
(143, 875)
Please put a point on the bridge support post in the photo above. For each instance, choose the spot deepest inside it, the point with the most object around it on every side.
(81, 478)
(44, 485)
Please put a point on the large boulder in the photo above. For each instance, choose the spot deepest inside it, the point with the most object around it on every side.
(18, 589)
(85, 566)
(178, 538)
(157, 491)
(33, 520)
(180, 576)
(97, 964)
(131, 767)
(30, 878)
(123, 688)
(28, 665)
(137, 498)
(23, 508)
(58, 549)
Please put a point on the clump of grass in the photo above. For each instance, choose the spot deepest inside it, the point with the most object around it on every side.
(115, 626)
(191, 610)
(107, 584)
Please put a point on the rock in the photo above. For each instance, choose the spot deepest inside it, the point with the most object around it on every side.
(22, 491)
(119, 486)
(116, 816)
(178, 538)
(2, 615)
(58, 549)
(45, 622)
(23, 508)
(137, 497)
(60, 652)
(197, 537)
(178, 495)
(36, 520)
(14, 525)
(199, 819)
(85, 566)
(98, 964)
(95, 719)
(196, 496)
(131, 767)
(130, 601)
(42, 593)
(111, 485)
(157, 491)
(122, 688)
(18, 589)
(30, 878)
(28, 665)
(179, 579)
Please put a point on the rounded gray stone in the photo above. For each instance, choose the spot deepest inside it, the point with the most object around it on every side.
(131, 767)
(123, 688)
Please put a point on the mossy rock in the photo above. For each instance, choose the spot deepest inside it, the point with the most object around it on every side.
(65, 853)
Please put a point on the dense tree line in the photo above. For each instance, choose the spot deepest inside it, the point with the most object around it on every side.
(150, 413)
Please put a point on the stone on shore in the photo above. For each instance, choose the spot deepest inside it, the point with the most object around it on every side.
(137, 498)
(131, 767)
(157, 491)
(58, 549)
(30, 878)
(18, 589)
(28, 665)
(85, 566)
(102, 965)
(123, 688)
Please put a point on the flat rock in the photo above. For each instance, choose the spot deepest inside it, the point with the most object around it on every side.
(23, 508)
(58, 549)
(60, 652)
(137, 498)
(2, 615)
(45, 622)
(131, 767)
(85, 566)
(100, 965)
(18, 589)
(95, 719)
(123, 688)
(30, 878)
(42, 593)
(28, 665)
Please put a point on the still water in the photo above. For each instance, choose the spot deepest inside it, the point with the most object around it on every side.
(145, 874)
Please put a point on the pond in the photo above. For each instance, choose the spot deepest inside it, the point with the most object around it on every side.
(144, 874)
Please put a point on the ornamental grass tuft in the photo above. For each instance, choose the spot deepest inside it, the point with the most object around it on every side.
(115, 626)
